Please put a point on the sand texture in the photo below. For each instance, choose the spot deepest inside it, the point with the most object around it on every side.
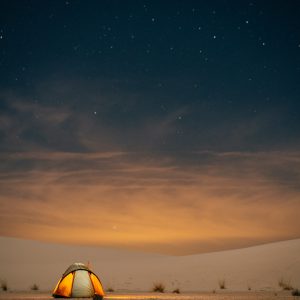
(153, 296)
(24, 263)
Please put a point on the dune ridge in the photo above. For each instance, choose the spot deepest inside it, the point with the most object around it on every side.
(25, 262)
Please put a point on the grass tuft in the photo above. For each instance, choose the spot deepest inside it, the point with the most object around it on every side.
(222, 284)
(158, 287)
(296, 292)
(285, 285)
(176, 291)
(4, 285)
(34, 287)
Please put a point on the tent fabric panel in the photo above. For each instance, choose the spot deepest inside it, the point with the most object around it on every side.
(54, 291)
(97, 285)
(64, 288)
(82, 285)
(75, 267)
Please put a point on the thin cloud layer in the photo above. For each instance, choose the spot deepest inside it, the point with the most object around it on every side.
(227, 200)
(149, 183)
(107, 115)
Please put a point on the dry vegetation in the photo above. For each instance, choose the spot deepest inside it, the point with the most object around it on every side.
(158, 287)
(222, 284)
(34, 287)
(285, 284)
(4, 285)
(296, 292)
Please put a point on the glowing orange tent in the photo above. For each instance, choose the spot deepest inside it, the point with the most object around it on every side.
(78, 282)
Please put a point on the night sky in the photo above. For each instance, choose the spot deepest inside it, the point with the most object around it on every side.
(165, 126)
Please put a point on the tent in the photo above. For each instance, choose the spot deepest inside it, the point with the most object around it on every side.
(78, 281)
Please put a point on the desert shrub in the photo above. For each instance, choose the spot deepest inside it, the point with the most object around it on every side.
(285, 285)
(110, 289)
(158, 287)
(296, 292)
(176, 291)
(4, 285)
(34, 287)
(222, 284)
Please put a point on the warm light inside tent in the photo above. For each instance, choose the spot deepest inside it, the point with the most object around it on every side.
(65, 286)
(78, 281)
(96, 283)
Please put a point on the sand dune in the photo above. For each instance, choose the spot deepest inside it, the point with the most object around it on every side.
(26, 262)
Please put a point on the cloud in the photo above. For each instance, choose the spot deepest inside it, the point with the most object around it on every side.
(158, 203)
(124, 170)
(107, 115)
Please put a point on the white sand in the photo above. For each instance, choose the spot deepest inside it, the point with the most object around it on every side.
(166, 296)
(24, 262)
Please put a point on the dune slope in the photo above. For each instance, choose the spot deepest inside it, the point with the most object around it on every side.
(24, 263)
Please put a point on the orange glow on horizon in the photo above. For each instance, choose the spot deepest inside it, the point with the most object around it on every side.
(152, 207)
